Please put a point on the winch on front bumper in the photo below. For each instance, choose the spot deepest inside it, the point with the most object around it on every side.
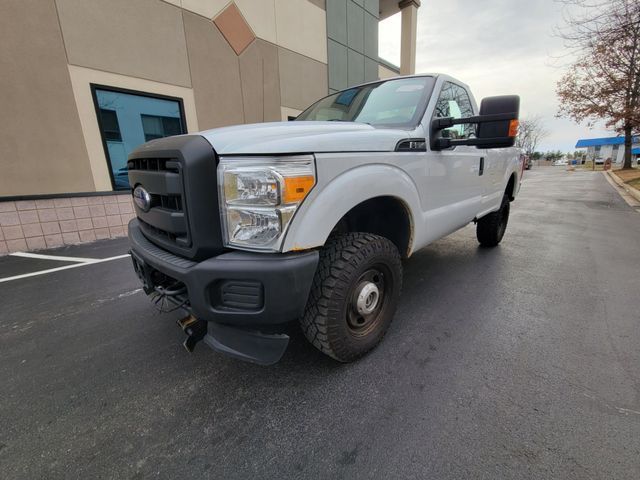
(244, 297)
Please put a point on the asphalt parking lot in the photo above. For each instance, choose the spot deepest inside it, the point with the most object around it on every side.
(516, 362)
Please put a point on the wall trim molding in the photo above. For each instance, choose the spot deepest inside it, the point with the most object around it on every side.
(48, 196)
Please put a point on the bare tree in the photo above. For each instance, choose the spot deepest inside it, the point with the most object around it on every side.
(530, 133)
(604, 81)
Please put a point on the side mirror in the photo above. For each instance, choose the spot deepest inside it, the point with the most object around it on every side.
(497, 125)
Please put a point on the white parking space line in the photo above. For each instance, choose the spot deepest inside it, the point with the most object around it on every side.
(53, 257)
(66, 267)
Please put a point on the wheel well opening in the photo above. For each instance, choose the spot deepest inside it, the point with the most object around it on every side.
(511, 186)
(384, 216)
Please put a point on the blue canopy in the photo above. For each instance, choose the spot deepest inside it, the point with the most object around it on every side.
(594, 142)
(635, 151)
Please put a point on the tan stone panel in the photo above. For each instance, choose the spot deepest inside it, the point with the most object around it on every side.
(235, 29)
(302, 27)
(287, 112)
(207, 8)
(302, 80)
(144, 38)
(215, 73)
(260, 82)
(319, 3)
(261, 17)
(384, 72)
(41, 139)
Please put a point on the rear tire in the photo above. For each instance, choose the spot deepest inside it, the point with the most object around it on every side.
(490, 228)
(354, 295)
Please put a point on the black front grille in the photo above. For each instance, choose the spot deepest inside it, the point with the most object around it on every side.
(165, 221)
(154, 164)
(179, 173)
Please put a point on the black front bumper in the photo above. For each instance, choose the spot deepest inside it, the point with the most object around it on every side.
(249, 292)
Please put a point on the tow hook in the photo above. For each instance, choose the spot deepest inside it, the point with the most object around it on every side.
(195, 330)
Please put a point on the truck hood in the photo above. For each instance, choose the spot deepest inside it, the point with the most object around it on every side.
(302, 137)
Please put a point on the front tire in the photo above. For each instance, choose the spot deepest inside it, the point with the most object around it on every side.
(354, 295)
(490, 228)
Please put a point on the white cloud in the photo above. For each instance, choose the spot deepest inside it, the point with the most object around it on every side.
(496, 47)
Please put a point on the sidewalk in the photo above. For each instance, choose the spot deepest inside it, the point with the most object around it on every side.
(630, 194)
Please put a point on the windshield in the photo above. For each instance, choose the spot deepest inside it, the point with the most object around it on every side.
(395, 103)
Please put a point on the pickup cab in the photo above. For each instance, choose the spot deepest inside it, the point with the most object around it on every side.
(251, 227)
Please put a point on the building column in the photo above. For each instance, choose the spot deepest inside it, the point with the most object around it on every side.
(409, 9)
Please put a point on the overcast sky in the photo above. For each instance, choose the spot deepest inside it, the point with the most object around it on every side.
(496, 47)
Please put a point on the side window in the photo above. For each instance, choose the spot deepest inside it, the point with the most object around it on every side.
(454, 102)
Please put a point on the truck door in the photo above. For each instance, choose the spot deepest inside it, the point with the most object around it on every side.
(455, 176)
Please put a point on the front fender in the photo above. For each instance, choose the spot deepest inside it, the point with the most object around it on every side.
(327, 204)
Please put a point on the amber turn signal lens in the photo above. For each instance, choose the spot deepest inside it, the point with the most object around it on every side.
(513, 128)
(296, 188)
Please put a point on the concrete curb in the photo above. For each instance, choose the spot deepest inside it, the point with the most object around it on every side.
(634, 192)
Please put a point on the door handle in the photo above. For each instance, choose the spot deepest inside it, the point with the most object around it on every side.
(481, 169)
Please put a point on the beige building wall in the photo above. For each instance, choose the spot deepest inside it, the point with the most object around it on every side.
(385, 72)
(43, 150)
(215, 74)
(302, 79)
(141, 38)
(229, 61)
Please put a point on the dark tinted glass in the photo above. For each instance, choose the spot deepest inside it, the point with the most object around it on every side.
(128, 120)
(454, 101)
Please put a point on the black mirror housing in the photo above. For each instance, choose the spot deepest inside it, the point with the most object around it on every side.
(502, 131)
(497, 125)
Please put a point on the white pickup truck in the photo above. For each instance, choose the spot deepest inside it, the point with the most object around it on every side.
(248, 228)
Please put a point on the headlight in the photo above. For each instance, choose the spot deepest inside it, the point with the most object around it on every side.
(258, 197)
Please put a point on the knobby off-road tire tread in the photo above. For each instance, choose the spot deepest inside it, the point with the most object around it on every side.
(487, 230)
(340, 257)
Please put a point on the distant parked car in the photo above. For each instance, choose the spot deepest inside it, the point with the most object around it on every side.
(560, 162)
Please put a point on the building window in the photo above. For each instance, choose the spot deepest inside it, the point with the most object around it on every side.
(158, 127)
(128, 119)
(110, 125)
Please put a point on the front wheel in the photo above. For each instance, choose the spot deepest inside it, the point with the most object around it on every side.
(490, 228)
(354, 295)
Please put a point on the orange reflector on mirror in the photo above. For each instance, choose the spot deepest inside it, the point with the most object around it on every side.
(513, 127)
(296, 188)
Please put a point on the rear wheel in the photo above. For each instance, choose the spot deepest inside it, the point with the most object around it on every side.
(354, 295)
(490, 228)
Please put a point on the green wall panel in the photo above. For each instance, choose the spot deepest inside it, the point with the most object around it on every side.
(352, 42)
(337, 65)
(370, 36)
(337, 20)
(370, 70)
(355, 27)
(373, 7)
(355, 69)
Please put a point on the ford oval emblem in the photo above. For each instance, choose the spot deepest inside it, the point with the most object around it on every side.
(142, 198)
